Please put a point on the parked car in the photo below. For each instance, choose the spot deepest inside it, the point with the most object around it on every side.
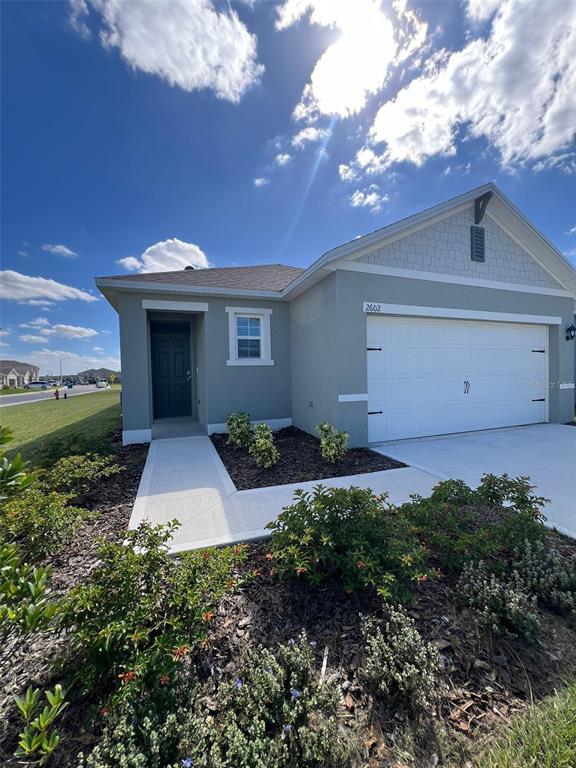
(36, 385)
(101, 383)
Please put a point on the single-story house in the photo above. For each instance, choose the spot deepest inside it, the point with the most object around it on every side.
(14, 374)
(451, 320)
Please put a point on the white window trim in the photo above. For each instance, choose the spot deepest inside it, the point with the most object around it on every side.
(265, 343)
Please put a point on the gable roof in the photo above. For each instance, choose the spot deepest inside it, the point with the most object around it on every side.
(264, 277)
(8, 365)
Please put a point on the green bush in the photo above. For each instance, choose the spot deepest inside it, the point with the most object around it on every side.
(263, 449)
(349, 533)
(76, 475)
(503, 606)
(333, 442)
(274, 714)
(23, 600)
(548, 575)
(399, 663)
(13, 475)
(239, 429)
(39, 739)
(141, 611)
(454, 521)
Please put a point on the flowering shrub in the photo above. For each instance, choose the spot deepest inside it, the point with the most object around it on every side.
(263, 449)
(273, 714)
(548, 575)
(141, 611)
(333, 442)
(239, 430)
(500, 605)
(349, 533)
(453, 522)
(399, 663)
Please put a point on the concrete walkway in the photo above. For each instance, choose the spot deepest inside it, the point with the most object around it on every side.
(544, 452)
(184, 479)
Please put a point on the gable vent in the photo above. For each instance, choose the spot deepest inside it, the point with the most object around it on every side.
(477, 243)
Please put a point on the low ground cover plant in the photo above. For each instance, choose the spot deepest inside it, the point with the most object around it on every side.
(502, 605)
(263, 448)
(274, 713)
(399, 664)
(333, 442)
(351, 534)
(142, 611)
(548, 575)
(239, 429)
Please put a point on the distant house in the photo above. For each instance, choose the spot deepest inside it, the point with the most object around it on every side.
(14, 374)
(99, 373)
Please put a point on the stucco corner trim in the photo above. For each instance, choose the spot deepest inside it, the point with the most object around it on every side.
(363, 398)
(135, 436)
(272, 423)
(175, 306)
(380, 308)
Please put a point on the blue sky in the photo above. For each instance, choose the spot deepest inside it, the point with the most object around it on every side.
(139, 135)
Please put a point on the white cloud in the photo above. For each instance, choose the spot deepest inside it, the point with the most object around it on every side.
(29, 338)
(70, 331)
(14, 285)
(39, 322)
(4, 344)
(308, 135)
(261, 181)
(572, 231)
(347, 173)
(49, 361)
(4, 333)
(282, 159)
(187, 43)
(368, 198)
(60, 250)
(98, 349)
(166, 256)
(358, 63)
(38, 303)
(514, 88)
(565, 162)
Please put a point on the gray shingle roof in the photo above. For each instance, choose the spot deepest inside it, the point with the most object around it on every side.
(7, 365)
(265, 277)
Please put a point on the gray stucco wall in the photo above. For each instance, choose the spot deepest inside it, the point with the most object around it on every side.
(444, 248)
(263, 391)
(353, 288)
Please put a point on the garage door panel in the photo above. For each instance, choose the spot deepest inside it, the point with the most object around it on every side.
(437, 376)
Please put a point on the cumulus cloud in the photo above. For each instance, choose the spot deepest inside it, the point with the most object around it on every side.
(98, 349)
(4, 333)
(513, 87)
(30, 338)
(45, 305)
(369, 198)
(565, 162)
(70, 331)
(60, 250)
(167, 256)
(308, 135)
(282, 159)
(358, 63)
(188, 43)
(49, 361)
(261, 181)
(14, 285)
(39, 322)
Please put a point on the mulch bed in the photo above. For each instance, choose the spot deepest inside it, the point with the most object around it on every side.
(300, 460)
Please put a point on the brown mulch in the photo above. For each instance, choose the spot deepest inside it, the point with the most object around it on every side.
(29, 661)
(300, 460)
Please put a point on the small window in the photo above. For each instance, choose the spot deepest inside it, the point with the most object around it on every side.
(248, 337)
(477, 243)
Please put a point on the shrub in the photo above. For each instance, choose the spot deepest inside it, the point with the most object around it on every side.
(239, 430)
(548, 575)
(263, 449)
(274, 714)
(399, 663)
(333, 442)
(460, 525)
(38, 740)
(23, 600)
(13, 476)
(141, 611)
(501, 606)
(349, 533)
(75, 475)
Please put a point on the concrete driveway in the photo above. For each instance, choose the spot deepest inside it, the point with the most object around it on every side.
(544, 452)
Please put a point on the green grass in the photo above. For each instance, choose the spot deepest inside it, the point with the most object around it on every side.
(18, 391)
(46, 430)
(544, 737)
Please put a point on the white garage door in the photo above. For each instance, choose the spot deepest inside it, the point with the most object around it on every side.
(434, 377)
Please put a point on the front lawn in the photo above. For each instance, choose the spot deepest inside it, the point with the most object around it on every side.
(15, 391)
(48, 429)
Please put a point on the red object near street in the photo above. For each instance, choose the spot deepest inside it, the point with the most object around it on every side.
(57, 394)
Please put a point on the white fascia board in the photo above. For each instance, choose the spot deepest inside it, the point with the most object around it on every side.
(150, 287)
(175, 306)
(438, 277)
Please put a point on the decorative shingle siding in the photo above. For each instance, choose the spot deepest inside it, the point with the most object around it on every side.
(444, 247)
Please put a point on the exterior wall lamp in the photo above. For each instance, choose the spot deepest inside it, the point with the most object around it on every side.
(570, 333)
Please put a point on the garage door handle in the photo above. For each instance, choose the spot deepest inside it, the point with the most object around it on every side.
(372, 413)
(539, 400)
(374, 349)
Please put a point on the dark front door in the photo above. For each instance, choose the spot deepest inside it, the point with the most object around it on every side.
(171, 374)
